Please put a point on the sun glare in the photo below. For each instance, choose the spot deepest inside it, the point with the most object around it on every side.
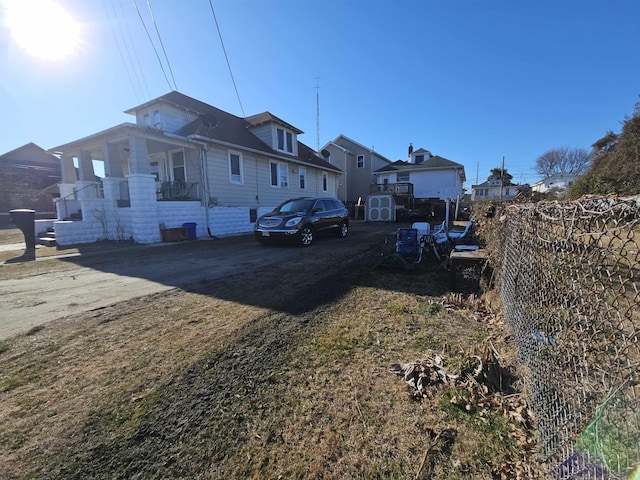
(42, 28)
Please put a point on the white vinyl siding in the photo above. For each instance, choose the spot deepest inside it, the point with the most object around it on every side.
(236, 168)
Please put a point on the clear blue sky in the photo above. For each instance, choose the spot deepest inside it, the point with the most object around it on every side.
(471, 81)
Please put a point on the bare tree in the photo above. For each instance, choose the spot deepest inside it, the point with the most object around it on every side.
(574, 161)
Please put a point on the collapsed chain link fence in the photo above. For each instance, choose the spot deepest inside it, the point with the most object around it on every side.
(568, 275)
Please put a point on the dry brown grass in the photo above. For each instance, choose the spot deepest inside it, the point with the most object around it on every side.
(206, 385)
(11, 235)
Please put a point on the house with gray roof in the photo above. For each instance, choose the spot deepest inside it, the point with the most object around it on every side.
(183, 161)
(423, 177)
(358, 164)
(28, 179)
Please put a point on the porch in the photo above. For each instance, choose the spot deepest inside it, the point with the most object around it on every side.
(141, 169)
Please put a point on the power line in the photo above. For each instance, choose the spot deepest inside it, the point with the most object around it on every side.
(126, 67)
(153, 19)
(226, 57)
(172, 87)
(133, 47)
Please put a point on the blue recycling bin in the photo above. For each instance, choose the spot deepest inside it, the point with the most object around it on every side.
(191, 226)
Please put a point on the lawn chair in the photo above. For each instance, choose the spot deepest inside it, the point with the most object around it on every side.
(443, 241)
(409, 247)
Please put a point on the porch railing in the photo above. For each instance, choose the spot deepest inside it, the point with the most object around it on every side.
(402, 188)
(178, 191)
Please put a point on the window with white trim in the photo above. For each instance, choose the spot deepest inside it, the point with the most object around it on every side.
(178, 167)
(402, 177)
(325, 182)
(156, 119)
(279, 174)
(285, 140)
(302, 174)
(360, 161)
(235, 168)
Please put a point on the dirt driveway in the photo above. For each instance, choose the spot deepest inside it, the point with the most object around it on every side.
(91, 282)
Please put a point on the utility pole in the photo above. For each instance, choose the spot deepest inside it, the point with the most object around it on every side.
(477, 169)
(317, 87)
(502, 179)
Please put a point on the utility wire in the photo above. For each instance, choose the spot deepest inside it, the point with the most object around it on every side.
(126, 67)
(153, 19)
(172, 87)
(226, 57)
(133, 47)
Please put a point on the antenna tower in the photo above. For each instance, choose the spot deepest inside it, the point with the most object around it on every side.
(317, 87)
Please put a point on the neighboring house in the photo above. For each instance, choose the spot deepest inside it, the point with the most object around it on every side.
(424, 179)
(28, 179)
(494, 189)
(359, 164)
(555, 184)
(183, 161)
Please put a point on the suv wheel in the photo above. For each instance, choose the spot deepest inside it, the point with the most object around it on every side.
(306, 236)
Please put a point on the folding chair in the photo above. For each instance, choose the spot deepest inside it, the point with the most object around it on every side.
(409, 247)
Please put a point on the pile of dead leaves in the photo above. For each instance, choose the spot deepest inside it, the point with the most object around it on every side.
(481, 387)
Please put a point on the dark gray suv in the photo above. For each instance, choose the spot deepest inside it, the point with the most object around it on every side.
(301, 219)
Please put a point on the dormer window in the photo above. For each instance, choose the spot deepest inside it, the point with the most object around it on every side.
(285, 140)
(156, 119)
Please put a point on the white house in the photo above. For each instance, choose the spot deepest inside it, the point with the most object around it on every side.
(494, 189)
(183, 161)
(558, 184)
(424, 177)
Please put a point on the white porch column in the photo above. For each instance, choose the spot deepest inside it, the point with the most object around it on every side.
(68, 170)
(85, 167)
(111, 187)
(145, 224)
(138, 155)
(112, 161)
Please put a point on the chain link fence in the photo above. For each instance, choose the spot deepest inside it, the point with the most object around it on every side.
(568, 274)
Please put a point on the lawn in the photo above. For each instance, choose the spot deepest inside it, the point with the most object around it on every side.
(279, 373)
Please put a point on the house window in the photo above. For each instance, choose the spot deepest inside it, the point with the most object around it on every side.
(235, 168)
(146, 120)
(327, 156)
(360, 161)
(285, 140)
(279, 174)
(156, 119)
(178, 166)
(419, 158)
(154, 169)
(302, 172)
(289, 136)
(402, 177)
(325, 182)
(506, 192)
